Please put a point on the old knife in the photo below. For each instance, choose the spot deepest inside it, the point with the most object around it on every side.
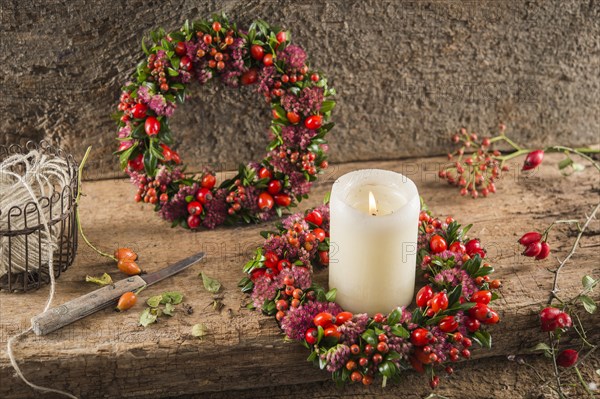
(78, 308)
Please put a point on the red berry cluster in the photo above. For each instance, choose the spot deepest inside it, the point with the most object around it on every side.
(217, 44)
(195, 206)
(535, 247)
(290, 297)
(474, 172)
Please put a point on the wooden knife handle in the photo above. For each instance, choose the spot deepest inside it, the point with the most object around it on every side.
(80, 307)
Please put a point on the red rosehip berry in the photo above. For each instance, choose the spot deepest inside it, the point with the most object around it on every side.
(293, 117)
(314, 217)
(314, 77)
(439, 302)
(424, 295)
(495, 284)
(324, 257)
(185, 63)
(323, 319)
(472, 324)
(544, 252)
(208, 181)
(152, 126)
(369, 349)
(355, 349)
(343, 317)
(367, 380)
(311, 336)
(216, 26)
(194, 208)
(437, 244)
(420, 337)
(281, 304)
(193, 222)
(332, 331)
(363, 361)
(274, 187)
(563, 320)
(283, 264)
(139, 111)
(378, 318)
(204, 195)
(533, 159)
(533, 249)
(483, 296)
(249, 77)
(136, 163)
(264, 173)
(313, 122)
(281, 37)
(530, 238)
(356, 376)
(283, 200)
(377, 358)
(257, 52)
(268, 59)
(567, 358)
(459, 247)
(472, 246)
(548, 318)
(448, 324)
(207, 39)
(180, 48)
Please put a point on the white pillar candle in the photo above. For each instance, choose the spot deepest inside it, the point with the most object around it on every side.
(373, 246)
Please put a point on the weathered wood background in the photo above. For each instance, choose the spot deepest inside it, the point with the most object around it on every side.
(407, 73)
(109, 355)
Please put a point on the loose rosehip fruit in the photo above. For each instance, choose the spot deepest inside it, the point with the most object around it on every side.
(194, 208)
(378, 318)
(208, 181)
(257, 52)
(311, 336)
(264, 173)
(459, 247)
(437, 244)
(530, 238)
(448, 324)
(283, 200)
(424, 295)
(193, 222)
(139, 111)
(343, 317)
(293, 117)
(332, 332)
(544, 252)
(472, 324)
(125, 254)
(314, 217)
(265, 201)
(129, 267)
(483, 296)
(274, 186)
(249, 77)
(439, 302)
(313, 122)
(152, 126)
(420, 337)
(268, 59)
(324, 319)
(533, 159)
(533, 249)
(204, 195)
(356, 376)
(281, 37)
(126, 301)
(435, 381)
(567, 358)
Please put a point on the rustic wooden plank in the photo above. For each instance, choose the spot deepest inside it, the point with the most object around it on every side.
(109, 355)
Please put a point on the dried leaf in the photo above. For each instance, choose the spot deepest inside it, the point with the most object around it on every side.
(169, 309)
(105, 279)
(212, 285)
(147, 318)
(199, 330)
(154, 301)
(174, 297)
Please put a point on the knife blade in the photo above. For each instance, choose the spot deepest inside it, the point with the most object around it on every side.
(78, 308)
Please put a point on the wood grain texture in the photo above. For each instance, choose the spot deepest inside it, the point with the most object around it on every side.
(85, 305)
(109, 355)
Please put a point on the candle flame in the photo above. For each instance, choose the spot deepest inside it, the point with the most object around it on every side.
(372, 204)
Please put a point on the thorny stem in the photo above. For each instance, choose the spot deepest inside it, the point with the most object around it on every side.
(556, 372)
(573, 248)
(77, 217)
(583, 384)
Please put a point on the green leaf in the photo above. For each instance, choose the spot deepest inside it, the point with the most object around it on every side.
(588, 303)
(565, 163)
(327, 106)
(103, 280)
(395, 316)
(387, 369)
(370, 337)
(330, 295)
(169, 309)
(172, 72)
(154, 301)
(484, 338)
(174, 297)
(280, 112)
(587, 282)
(150, 163)
(399, 331)
(540, 347)
(199, 330)
(454, 295)
(210, 284)
(320, 334)
(147, 318)
(125, 155)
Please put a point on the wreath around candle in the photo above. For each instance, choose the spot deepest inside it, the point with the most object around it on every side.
(451, 311)
(262, 55)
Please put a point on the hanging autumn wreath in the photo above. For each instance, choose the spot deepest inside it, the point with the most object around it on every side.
(262, 56)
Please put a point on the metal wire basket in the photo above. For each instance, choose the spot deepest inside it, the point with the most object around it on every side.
(24, 268)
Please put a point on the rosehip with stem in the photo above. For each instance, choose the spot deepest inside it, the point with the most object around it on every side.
(311, 336)
(533, 159)
(530, 238)
(544, 252)
(533, 249)
(313, 122)
(129, 267)
(152, 126)
(424, 295)
(126, 301)
(193, 222)
(567, 358)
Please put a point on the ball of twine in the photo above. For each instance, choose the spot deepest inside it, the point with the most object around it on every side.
(31, 187)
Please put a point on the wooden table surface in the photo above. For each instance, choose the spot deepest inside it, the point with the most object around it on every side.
(109, 355)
